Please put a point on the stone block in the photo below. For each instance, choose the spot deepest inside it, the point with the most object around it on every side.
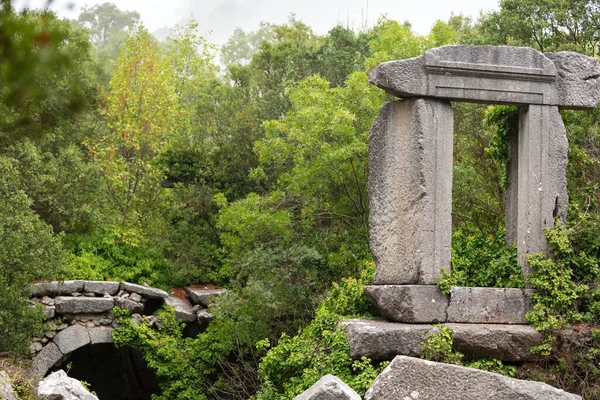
(49, 312)
(45, 289)
(127, 304)
(145, 291)
(100, 335)
(44, 360)
(101, 288)
(380, 340)
(329, 387)
(541, 181)
(183, 309)
(70, 287)
(489, 305)
(72, 338)
(83, 305)
(409, 303)
(414, 378)
(578, 79)
(203, 297)
(511, 343)
(410, 191)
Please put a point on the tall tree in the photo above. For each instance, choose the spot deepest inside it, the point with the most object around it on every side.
(142, 113)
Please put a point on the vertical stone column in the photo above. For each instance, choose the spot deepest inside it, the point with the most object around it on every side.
(541, 192)
(410, 191)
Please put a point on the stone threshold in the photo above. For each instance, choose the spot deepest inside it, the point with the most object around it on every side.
(382, 340)
(427, 304)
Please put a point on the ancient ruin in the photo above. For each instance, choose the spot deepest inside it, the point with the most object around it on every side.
(410, 190)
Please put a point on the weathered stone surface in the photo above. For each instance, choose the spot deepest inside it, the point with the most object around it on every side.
(145, 291)
(83, 305)
(329, 387)
(101, 288)
(72, 338)
(127, 304)
(45, 359)
(183, 309)
(409, 303)
(70, 287)
(408, 378)
(541, 182)
(58, 386)
(50, 311)
(204, 317)
(45, 289)
(6, 390)
(578, 79)
(380, 340)
(203, 297)
(494, 74)
(489, 305)
(410, 191)
(504, 342)
(101, 334)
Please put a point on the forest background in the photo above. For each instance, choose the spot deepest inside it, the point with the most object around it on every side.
(173, 163)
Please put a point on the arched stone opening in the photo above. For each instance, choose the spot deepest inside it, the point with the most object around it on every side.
(113, 373)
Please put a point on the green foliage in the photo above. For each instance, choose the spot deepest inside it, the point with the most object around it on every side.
(29, 251)
(482, 261)
(437, 346)
(297, 362)
(493, 365)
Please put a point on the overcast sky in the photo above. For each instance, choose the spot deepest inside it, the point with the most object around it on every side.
(223, 16)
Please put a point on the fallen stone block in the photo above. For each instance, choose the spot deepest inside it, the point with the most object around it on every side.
(409, 303)
(83, 305)
(329, 387)
(203, 297)
(58, 386)
(408, 378)
(489, 305)
(145, 291)
(380, 340)
(183, 309)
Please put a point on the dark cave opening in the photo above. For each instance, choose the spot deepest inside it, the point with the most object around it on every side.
(113, 373)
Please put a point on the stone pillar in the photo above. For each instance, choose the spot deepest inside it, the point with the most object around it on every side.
(410, 191)
(541, 192)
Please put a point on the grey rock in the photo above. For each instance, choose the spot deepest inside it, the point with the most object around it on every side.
(578, 79)
(88, 294)
(409, 303)
(145, 291)
(137, 318)
(101, 288)
(6, 388)
(69, 287)
(504, 342)
(72, 338)
(100, 335)
(49, 312)
(47, 301)
(50, 334)
(44, 360)
(380, 340)
(35, 347)
(204, 316)
(183, 309)
(58, 386)
(135, 297)
(128, 304)
(542, 185)
(408, 378)
(410, 191)
(203, 297)
(45, 289)
(329, 387)
(83, 305)
(489, 305)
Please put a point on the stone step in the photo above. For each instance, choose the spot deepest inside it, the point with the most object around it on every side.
(427, 304)
(381, 340)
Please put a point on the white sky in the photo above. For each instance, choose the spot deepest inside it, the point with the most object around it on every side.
(223, 16)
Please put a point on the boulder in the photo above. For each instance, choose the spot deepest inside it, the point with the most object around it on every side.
(329, 387)
(58, 386)
(183, 309)
(203, 297)
(408, 378)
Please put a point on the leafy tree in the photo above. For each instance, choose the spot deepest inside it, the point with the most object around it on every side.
(241, 46)
(29, 251)
(105, 20)
(142, 112)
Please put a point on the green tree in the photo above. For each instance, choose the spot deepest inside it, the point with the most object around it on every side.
(142, 113)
